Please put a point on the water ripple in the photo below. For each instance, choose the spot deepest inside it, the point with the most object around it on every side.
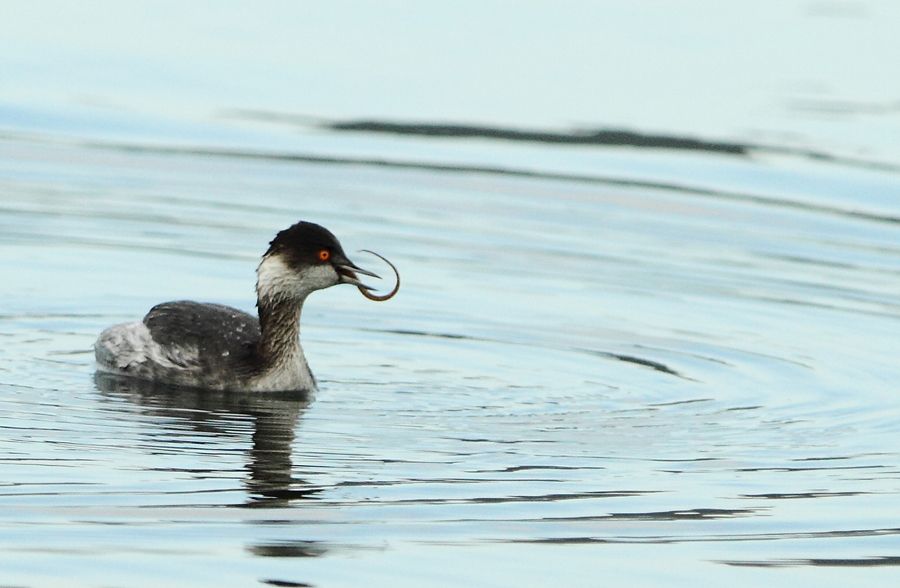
(574, 361)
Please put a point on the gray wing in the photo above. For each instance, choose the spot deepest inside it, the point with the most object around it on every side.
(205, 336)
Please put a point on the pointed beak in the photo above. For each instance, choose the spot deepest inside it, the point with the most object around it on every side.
(347, 270)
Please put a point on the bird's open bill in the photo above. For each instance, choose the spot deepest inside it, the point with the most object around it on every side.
(348, 275)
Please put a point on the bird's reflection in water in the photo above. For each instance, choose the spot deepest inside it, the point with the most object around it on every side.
(274, 418)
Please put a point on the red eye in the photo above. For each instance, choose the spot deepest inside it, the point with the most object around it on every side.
(324, 255)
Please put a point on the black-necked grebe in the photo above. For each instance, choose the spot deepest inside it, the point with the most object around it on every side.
(218, 347)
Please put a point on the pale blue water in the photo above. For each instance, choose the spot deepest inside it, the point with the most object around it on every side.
(608, 364)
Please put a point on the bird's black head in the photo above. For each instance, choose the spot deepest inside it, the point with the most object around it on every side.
(307, 244)
(303, 258)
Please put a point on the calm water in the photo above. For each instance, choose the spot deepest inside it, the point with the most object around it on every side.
(609, 363)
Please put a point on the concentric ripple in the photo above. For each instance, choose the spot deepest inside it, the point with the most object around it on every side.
(577, 375)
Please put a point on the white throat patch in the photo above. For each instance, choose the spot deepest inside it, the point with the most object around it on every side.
(276, 279)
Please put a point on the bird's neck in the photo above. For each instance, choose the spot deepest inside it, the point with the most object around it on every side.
(284, 365)
(279, 300)
(279, 323)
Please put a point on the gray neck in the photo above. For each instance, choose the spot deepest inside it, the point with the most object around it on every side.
(280, 292)
(279, 322)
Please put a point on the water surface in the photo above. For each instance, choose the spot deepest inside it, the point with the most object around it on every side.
(641, 362)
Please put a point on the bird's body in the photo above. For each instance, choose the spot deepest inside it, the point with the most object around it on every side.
(205, 346)
(217, 347)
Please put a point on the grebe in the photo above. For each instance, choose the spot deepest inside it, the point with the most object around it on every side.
(221, 348)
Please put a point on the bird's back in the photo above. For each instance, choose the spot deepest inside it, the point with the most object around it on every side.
(186, 343)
